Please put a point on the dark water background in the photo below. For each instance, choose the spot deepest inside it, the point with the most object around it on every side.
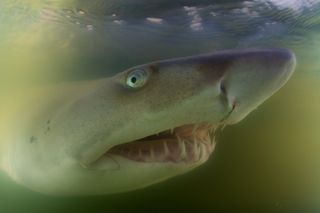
(270, 161)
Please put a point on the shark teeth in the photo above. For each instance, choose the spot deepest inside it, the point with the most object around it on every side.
(186, 144)
(196, 150)
(165, 148)
(152, 155)
(183, 151)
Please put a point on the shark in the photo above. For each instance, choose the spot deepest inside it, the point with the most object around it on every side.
(146, 124)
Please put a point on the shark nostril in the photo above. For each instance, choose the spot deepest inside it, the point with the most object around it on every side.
(223, 88)
(223, 94)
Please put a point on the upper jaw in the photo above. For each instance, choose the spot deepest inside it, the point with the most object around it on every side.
(187, 144)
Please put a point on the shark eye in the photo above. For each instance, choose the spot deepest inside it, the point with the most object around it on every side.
(137, 78)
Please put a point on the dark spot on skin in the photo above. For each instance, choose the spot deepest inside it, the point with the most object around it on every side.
(47, 130)
(48, 127)
(33, 139)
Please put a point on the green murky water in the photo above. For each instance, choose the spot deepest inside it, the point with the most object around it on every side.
(271, 160)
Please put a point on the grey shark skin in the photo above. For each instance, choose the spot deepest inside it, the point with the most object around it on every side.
(139, 127)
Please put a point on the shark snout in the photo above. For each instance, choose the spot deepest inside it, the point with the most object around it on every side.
(277, 65)
(254, 76)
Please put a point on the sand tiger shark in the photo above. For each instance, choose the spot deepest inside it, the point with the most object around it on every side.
(141, 126)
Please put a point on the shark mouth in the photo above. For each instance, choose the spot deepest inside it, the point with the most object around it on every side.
(189, 144)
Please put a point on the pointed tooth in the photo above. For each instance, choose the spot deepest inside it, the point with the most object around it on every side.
(172, 130)
(211, 136)
(196, 151)
(211, 140)
(212, 146)
(165, 148)
(183, 149)
(205, 153)
(180, 144)
(194, 147)
(179, 139)
(203, 140)
(201, 152)
(213, 129)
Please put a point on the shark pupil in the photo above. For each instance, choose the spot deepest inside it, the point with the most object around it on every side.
(133, 80)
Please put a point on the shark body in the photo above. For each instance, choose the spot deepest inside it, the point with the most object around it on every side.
(138, 127)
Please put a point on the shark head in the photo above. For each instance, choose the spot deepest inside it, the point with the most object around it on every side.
(150, 122)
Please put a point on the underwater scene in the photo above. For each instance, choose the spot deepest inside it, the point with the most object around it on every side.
(84, 81)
